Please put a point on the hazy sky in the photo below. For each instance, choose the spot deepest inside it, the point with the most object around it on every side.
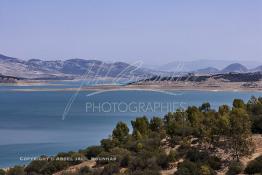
(155, 31)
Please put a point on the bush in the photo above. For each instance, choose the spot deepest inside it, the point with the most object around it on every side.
(183, 149)
(254, 166)
(36, 166)
(2, 172)
(143, 162)
(235, 167)
(172, 157)
(16, 170)
(146, 172)
(162, 160)
(104, 158)
(136, 163)
(195, 155)
(186, 168)
(214, 162)
(84, 170)
(92, 151)
(54, 166)
(110, 169)
(257, 124)
(152, 143)
(108, 144)
(122, 156)
(206, 170)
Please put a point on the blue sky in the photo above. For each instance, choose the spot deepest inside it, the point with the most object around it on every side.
(154, 31)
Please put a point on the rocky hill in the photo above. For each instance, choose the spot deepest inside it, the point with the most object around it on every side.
(68, 69)
(236, 67)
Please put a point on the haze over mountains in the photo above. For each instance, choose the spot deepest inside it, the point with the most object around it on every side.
(74, 68)
(194, 65)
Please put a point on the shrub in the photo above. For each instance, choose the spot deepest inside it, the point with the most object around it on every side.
(172, 157)
(183, 149)
(195, 155)
(2, 172)
(92, 151)
(254, 166)
(122, 156)
(146, 172)
(136, 163)
(77, 158)
(257, 124)
(214, 162)
(186, 168)
(235, 167)
(104, 158)
(84, 170)
(36, 166)
(110, 169)
(142, 162)
(206, 170)
(108, 144)
(162, 160)
(54, 166)
(152, 143)
(16, 170)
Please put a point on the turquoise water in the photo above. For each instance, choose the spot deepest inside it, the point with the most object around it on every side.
(31, 122)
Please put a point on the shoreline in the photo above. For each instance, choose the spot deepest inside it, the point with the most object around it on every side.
(127, 88)
(217, 86)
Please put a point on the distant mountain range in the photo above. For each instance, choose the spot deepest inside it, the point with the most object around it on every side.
(234, 68)
(69, 69)
(75, 68)
(203, 64)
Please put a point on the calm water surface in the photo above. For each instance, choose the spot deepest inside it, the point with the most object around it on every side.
(31, 122)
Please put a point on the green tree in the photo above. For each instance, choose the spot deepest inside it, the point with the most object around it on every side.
(205, 107)
(195, 117)
(240, 133)
(121, 132)
(254, 108)
(224, 109)
(141, 124)
(156, 124)
(238, 103)
(108, 144)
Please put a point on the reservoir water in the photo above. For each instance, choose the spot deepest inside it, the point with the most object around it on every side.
(31, 122)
